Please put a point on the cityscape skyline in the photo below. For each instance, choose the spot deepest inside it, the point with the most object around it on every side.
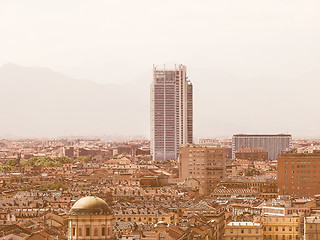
(159, 120)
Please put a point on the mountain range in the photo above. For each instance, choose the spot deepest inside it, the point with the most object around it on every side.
(39, 102)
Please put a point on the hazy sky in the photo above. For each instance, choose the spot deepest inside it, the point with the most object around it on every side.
(255, 64)
(117, 41)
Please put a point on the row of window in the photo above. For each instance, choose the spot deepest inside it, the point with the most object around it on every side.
(277, 219)
(276, 237)
(198, 151)
(301, 177)
(298, 188)
(301, 182)
(300, 166)
(300, 161)
(139, 219)
(283, 237)
(244, 231)
(190, 160)
(302, 171)
(280, 228)
(88, 232)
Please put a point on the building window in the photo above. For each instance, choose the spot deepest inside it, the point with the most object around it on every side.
(96, 231)
(73, 231)
(103, 231)
(80, 231)
(87, 231)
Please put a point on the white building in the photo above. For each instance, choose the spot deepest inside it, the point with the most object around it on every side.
(274, 144)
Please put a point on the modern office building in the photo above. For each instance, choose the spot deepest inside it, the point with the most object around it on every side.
(171, 111)
(206, 163)
(298, 173)
(274, 144)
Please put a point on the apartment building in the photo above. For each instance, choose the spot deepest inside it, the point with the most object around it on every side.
(312, 228)
(277, 227)
(299, 173)
(207, 163)
(243, 231)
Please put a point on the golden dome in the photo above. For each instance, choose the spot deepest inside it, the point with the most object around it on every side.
(90, 206)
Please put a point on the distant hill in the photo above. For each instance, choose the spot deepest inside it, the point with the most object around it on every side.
(39, 102)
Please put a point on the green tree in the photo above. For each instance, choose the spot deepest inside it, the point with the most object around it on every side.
(46, 161)
(12, 162)
(85, 159)
(6, 168)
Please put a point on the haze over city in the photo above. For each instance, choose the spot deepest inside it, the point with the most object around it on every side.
(159, 120)
(255, 65)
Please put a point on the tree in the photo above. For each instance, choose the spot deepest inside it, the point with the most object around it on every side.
(46, 161)
(251, 172)
(12, 162)
(85, 159)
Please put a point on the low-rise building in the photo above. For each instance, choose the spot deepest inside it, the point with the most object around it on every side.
(312, 228)
(243, 231)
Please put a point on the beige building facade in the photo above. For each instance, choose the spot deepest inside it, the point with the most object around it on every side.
(282, 227)
(312, 228)
(206, 163)
(243, 231)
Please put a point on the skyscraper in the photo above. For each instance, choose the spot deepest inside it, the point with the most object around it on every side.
(171, 112)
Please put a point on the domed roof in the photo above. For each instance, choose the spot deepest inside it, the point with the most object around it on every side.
(162, 223)
(90, 206)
